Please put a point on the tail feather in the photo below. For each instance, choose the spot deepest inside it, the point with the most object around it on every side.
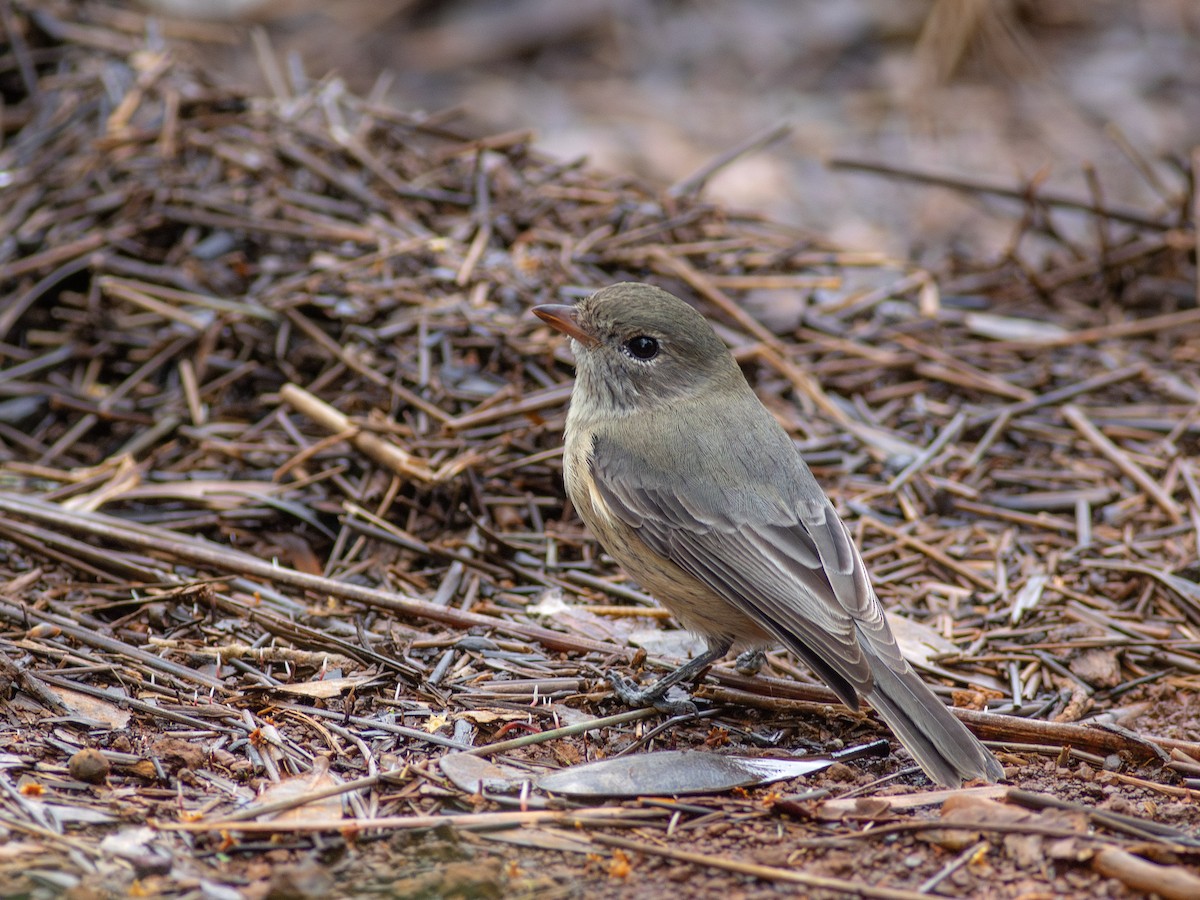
(940, 744)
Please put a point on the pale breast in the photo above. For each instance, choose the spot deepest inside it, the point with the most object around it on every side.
(691, 601)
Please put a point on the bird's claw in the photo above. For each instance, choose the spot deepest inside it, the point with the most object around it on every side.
(750, 662)
(630, 694)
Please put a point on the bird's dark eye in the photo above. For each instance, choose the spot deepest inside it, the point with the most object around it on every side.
(642, 347)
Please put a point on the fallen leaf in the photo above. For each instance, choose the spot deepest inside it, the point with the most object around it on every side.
(178, 754)
(325, 688)
(319, 778)
(92, 708)
(972, 808)
(870, 809)
(1098, 667)
(491, 716)
(474, 774)
(902, 802)
(673, 772)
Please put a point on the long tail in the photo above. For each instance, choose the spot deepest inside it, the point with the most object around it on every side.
(940, 744)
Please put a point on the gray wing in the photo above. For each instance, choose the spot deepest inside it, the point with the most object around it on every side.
(761, 533)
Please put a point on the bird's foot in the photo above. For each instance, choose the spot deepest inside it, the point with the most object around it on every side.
(630, 694)
(750, 662)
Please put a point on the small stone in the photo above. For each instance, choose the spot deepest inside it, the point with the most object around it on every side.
(121, 744)
(89, 765)
(1118, 805)
(680, 874)
(841, 772)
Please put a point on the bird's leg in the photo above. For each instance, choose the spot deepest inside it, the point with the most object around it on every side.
(750, 662)
(655, 695)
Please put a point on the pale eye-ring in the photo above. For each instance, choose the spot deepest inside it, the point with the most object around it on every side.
(642, 347)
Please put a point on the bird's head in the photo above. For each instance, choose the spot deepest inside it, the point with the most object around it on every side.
(638, 347)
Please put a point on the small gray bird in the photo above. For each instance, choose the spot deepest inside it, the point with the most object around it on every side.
(695, 489)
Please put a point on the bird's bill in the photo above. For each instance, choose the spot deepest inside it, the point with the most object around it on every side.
(566, 320)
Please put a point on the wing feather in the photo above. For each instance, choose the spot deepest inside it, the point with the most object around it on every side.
(783, 558)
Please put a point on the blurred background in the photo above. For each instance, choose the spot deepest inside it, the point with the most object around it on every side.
(1099, 98)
